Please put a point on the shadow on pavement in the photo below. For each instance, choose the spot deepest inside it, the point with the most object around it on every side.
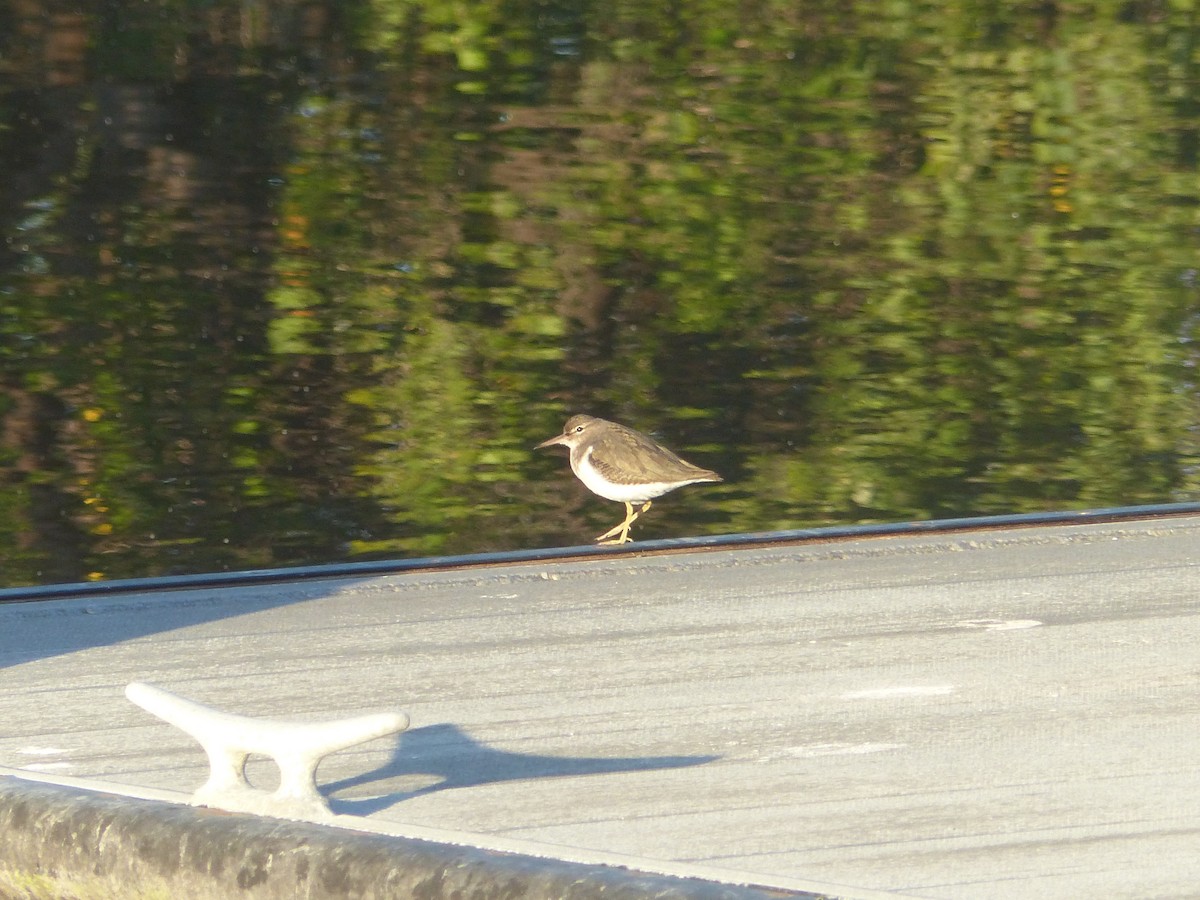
(446, 753)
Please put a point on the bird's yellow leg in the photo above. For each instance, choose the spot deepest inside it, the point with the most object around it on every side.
(623, 528)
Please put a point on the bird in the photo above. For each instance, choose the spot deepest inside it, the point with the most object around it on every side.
(618, 463)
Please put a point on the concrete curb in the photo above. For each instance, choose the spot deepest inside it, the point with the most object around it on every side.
(68, 843)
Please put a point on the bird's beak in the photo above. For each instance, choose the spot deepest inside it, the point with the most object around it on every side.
(557, 439)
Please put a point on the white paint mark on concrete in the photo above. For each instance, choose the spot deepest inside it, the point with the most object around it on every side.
(999, 624)
(888, 693)
(808, 751)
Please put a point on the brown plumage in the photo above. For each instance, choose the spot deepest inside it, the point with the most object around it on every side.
(619, 463)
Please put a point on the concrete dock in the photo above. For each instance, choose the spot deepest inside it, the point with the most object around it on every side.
(983, 714)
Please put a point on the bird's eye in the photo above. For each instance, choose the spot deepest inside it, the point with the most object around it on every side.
(578, 428)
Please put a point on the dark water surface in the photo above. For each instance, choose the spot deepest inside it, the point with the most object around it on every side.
(299, 282)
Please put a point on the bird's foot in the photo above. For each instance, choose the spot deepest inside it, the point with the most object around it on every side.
(619, 534)
(619, 539)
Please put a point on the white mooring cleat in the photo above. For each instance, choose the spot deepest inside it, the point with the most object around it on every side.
(296, 747)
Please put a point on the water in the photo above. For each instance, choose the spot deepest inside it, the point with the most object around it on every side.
(307, 283)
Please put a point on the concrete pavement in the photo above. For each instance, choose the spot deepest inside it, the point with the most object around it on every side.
(983, 714)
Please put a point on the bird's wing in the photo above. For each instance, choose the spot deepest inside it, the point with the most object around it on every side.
(657, 461)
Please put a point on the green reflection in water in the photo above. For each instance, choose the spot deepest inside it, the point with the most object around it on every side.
(309, 286)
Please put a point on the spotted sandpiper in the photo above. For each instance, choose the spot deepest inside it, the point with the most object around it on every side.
(621, 464)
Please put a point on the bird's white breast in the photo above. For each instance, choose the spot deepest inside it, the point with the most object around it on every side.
(622, 493)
